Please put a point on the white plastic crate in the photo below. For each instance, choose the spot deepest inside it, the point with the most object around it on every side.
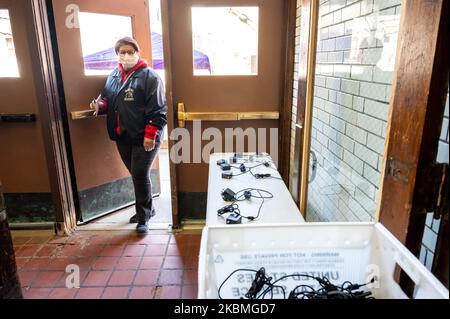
(352, 251)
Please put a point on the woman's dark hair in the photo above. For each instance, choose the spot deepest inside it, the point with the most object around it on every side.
(127, 41)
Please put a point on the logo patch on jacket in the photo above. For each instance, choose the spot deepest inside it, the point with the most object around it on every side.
(129, 95)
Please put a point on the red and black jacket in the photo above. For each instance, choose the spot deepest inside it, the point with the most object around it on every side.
(135, 104)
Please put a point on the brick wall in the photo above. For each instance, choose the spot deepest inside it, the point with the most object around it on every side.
(432, 225)
(354, 70)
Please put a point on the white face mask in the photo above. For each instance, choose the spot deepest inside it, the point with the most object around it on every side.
(128, 61)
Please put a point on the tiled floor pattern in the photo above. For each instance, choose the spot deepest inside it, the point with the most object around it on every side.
(112, 264)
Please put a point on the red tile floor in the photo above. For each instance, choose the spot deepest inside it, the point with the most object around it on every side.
(113, 265)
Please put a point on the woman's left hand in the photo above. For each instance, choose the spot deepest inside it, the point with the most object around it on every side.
(149, 144)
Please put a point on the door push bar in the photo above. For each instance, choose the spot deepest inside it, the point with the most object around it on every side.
(184, 116)
(17, 118)
(82, 115)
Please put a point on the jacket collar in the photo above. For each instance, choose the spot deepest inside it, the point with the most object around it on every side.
(141, 64)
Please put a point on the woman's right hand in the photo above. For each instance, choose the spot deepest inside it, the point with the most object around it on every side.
(96, 105)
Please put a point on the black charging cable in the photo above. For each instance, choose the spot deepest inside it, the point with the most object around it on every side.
(247, 194)
(328, 290)
(245, 170)
(258, 284)
(229, 276)
(243, 195)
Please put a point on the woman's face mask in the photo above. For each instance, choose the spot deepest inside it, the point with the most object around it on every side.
(128, 60)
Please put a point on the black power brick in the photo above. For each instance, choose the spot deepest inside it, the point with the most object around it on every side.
(226, 209)
(228, 195)
(221, 162)
(234, 218)
(227, 175)
(261, 176)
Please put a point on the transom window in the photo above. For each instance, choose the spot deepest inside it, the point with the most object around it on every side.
(225, 40)
(8, 60)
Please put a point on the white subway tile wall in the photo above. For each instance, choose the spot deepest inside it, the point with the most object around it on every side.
(368, 150)
(354, 72)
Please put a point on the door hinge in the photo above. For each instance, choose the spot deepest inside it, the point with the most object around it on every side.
(399, 170)
(432, 192)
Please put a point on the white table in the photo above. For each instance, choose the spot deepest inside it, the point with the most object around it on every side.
(280, 209)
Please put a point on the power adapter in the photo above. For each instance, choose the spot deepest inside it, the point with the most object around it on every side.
(247, 194)
(261, 176)
(243, 168)
(228, 195)
(225, 166)
(227, 175)
(226, 209)
(234, 218)
(221, 162)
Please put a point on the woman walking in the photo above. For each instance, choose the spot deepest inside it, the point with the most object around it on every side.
(134, 101)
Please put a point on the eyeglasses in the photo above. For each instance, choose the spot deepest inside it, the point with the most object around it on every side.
(130, 52)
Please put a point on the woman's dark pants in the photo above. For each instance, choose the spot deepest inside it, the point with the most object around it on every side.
(139, 163)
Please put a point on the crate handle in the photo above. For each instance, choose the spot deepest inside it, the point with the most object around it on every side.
(405, 266)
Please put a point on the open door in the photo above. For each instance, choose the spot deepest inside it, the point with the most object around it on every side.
(86, 33)
(225, 60)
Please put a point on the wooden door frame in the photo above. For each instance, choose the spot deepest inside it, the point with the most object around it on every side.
(50, 109)
(171, 111)
(285, 123)
(414, 128)
(415, 120)
(308, 46)
(305, 47)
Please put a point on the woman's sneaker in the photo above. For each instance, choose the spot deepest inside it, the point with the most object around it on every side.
(134, 219)
(142, 228)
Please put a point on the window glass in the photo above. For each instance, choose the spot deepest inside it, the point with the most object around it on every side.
(99, 33)
(225, 40)
(8, 60)
(356, 53)
(157, 45)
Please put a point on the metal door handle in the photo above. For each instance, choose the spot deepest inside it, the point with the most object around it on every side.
(17, 118)
(82, 115)
(184, 116)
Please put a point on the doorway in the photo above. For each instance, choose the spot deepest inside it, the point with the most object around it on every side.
(81, 46)
(233, 61)
(86, 32)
